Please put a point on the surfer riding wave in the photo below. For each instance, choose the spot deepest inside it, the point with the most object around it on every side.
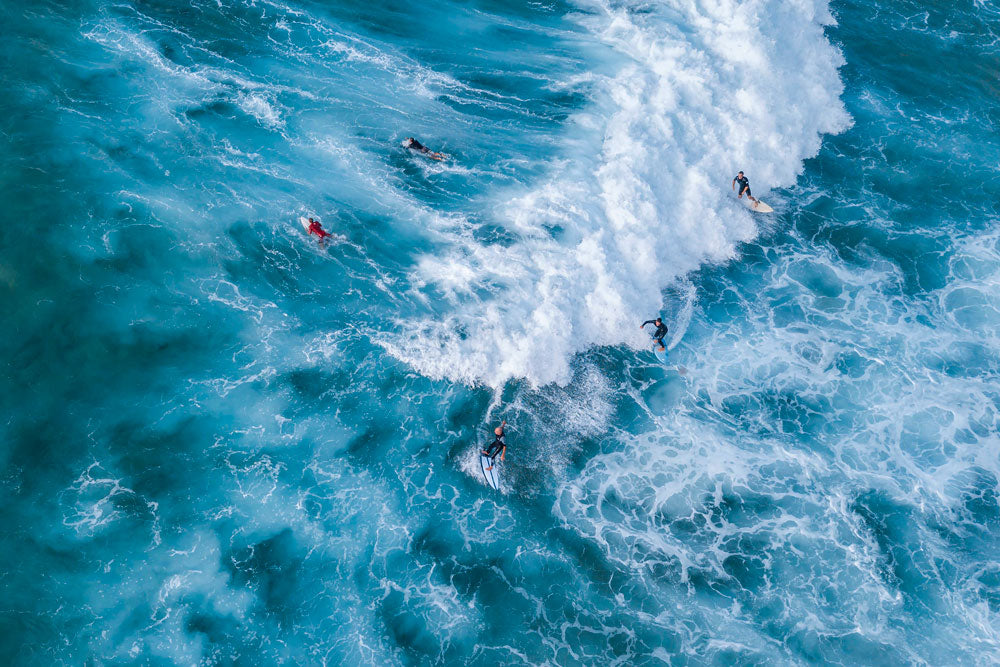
(659, 333)
(498, 446)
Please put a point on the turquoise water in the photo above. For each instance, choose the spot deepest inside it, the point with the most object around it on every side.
(225, 444)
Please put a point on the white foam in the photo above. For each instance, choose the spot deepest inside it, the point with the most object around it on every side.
(780, 417)
(255, 98)
(697, 94)
(95, 501)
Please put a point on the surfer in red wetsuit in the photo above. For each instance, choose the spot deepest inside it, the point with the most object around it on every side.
(316, 228)
(499, 446)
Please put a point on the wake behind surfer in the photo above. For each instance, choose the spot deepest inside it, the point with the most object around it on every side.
(316, 228)
(415, 145)
(744, 188)
(661, 330)
(498, 446)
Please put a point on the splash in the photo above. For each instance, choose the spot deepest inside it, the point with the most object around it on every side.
(643, 195)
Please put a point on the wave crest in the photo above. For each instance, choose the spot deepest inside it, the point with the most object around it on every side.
(643, 195)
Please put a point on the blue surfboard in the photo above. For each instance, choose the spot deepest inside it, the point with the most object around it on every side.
(661, 355)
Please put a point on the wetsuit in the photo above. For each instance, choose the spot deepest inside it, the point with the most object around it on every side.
(744, 185)
(661, 331)
(417, 146)
(317, 229)
(498, 446)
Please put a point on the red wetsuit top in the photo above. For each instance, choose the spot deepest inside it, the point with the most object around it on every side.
(317, 229)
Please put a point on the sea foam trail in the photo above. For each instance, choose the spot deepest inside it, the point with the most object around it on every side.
(694, 94)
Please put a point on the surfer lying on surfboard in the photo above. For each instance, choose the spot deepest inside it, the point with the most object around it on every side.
(415, 145)
(661, 329)
(744, 188)
(499, 446)
(316, 228)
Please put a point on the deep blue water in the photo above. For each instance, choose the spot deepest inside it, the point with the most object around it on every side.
(226, 444)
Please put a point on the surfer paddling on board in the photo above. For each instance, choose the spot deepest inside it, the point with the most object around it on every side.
(661, 330)
(316, 228)
(499, 446)
(744, 188)
(415, 145)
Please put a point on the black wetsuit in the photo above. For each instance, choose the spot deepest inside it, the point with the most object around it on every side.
(744, 183)
(498, 446)
(417, 146)
(661, 330)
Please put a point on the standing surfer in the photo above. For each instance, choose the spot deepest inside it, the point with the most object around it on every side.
(499, 446)
(661, 329)
(744, 188)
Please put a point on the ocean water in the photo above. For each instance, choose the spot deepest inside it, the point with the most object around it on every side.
(225, 444)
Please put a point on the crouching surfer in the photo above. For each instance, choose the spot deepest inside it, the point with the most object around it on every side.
(661, 331)
(744, 188)
(499, 446)
(415, 145)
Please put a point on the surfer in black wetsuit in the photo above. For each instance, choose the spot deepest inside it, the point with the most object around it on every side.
(499, 446)
(415, 145)
(661, 329)
(744, 188)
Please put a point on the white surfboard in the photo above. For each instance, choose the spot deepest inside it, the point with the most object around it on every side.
(492, 477)
(759, 207)
(305, 223)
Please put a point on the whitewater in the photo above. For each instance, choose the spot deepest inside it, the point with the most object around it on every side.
(226, 443)
(688, 96)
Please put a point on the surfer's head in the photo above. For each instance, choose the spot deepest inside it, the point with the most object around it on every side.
(659, 321)
(498, 430)
(740, 174)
